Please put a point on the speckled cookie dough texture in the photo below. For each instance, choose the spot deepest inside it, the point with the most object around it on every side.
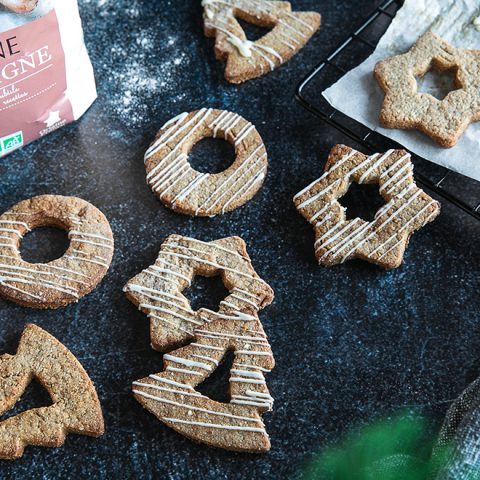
(197, 342)
(19, 6)
(404, 107)
(290, 31)
(185, 190)
(382, 241)
(75, 408)
(64, 280)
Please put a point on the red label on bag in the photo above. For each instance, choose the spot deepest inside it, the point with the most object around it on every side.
(33, 83)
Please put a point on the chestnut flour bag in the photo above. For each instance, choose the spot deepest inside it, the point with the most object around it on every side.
(46, 78)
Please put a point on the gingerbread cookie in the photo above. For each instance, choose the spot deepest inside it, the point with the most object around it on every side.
(19, 6)
(171, 395)
(67, 279)
(188, 191)
(76, 408)
(382, 241)
(246, 59)
(404, 107)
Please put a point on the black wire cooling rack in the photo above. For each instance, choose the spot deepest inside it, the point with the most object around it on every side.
(453, 187)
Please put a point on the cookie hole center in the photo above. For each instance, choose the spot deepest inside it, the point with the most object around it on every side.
(252, 31)
(438, 83)
(362, 201)
(217, 385)
(212, 155)
(44, 244)
(34, 396)
(206, 292)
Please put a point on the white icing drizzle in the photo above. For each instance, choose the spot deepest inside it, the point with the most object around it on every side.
(209, 347)
(46, 276)
(171, 382)
(174, 167)
(246, 373)
(215, 425)
(334, 167)
(403, 228)
(204, 357)
(169, 390)
(242, 299)
(195, 408)
(237, 316)
(88, 260)
(213, 264)
(168, 322)
(14, 222)
(166, 271)
(194, 362)
(348, 237)
(186, 362)
(230, 335)
(284, 21)
(236, 176)
(183, 370)
(173, 313)
(253, 352)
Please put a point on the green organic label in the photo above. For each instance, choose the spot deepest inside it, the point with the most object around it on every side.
(11, 142)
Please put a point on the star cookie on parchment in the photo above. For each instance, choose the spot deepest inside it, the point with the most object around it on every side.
(404, 107)
(381, 241)
(19, 6)
(198, 341)
(290, 31)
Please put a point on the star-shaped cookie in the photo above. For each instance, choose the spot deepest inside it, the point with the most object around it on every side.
(381, 241)
(290, 31)
(404, 107)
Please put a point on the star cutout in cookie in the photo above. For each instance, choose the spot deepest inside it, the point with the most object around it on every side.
(157, 291)
(404, 107)
(381, 241)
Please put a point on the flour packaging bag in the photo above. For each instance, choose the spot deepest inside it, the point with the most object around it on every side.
(46, 78)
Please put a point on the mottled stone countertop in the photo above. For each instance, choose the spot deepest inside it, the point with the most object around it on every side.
(352, 343)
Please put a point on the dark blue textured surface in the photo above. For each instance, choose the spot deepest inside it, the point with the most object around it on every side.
(351, 342)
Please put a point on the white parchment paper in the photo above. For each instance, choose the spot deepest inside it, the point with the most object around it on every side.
(458, 22)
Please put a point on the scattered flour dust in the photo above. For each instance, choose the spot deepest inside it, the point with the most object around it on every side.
(147, 66)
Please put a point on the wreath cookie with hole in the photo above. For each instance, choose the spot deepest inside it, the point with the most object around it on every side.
(200, 341)
(382, 241)
(404, 107)
(67, 279)
(75, 408)
(184, 189)
(246, 59)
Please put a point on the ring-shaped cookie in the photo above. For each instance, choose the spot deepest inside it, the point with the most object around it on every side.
(68, 278)
(185, 190)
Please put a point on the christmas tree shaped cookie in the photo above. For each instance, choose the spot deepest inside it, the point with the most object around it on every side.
(290, 31)
(75, 408)
(198, 341)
